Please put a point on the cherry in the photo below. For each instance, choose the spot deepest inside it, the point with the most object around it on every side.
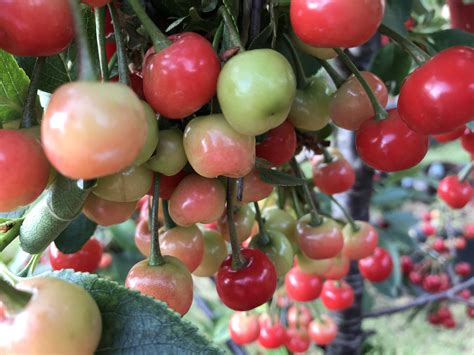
(214, 148)
(299, 316)
(105, 261)
(434, 318)
(35, 28)
(454, 192)
(323, 330)
(336, 21)
(169, 157)
(143, 237)
(87, 259)
(302, 287)
(312, 266)
(244, 219)
(460, 243)
(91, 130)
(337, 295)
(428, 229)
(254, 188)
(437, 97)
(215, 251)
(450, 136)
(470, 312)
(197, 200)
(468, 230)
(181, 78)
(339, 267)
(107, 213)
(463, 268)
(406, 264)
(350, 106)
(297, 340)
(319, 242)
(361, 243)
(333, 177)
(249, 286)
(377, 267)
(467, 140)
(431, 283)
(168, 184)
(415, 277)
(378, 144)
(271, 336)
(170, 282)
(282, 221)
(466, 294)
(439, 245)
(278, 145)
(96, 3)
(444, 313)
(449, 323)
(243, 328)
(24, 169)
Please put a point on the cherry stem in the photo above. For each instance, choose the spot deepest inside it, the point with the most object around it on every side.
(326, 155)
(169, 223)
(29, 269)
(14, 300)
(237, 259)
(156, 258)
(296, 203)
(418, 54)
(333, 74)
(231, 28)
(99, 15)
(380, 112)
(300, 73)
(28, 118)
(350, 220)
(7, 275)
(112, 62)
(160, 41)
(121, 53)
(9, 231)
(218, 36)
(86, 68)
(240, 189)
(465, 172)
(316, 219)
(263, 238)
(280, 197)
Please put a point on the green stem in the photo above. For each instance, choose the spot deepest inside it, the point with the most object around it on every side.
(112, 62)
(327, 156)
(349, 218)
(465, 172)
(300, 73)
(316, 219)
(29, 269)
(419, 55)
(296, 203)
(169, 223)
(86, 68)
(263, 238)
(237, 259)
(231, 28)
(28, 118)
(160, 41)
(280, 197)
(380, 112)
(99, 15)
(121, 53)
(8, 275)
(14, 300)
(335, 76)
(156, 258)
(12, 228)
(218, 36)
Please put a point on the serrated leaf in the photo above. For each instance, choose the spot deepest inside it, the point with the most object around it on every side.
(137, 324)
(278, 178)
(449, 38)
(75, 235)
(123, 235)
(13, 88)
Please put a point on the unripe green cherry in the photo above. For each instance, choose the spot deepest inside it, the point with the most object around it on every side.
(278, 249)
(151, 138)
(313, 266)
(280, 220)
(170, 157)
(310, 109)
(255, 90)
(215, 251)
(244, 219)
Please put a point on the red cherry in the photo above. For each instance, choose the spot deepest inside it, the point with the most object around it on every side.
(463, 269)
(278, 145)
(467, 140)
(468, 230)
(455, 193)
(301, 286)
(460, 243)
(181, 78)
(105, 261)
(271, 336)
(299, 316)
(450, 136)
(251, 285)
(432, 283)
(378, 144)
(415, 277)
(333, 177)
(406, 264)
(426, 216)
(449, 323)
(255, 189)
(444, 313)
(466, 294)
(470, 312)
(434, 318)
(337, 295)
(339, 267)
(439, 245)
(428, 229)
(87, 259)
(335, 21)
(323, 331)
(360, 243)
(378, 267)
(243, 328)
(297, 340)
(437, 97)
(168, 184)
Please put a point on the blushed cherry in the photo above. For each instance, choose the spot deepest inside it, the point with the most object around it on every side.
(302, 287)
(361, 243)
(215, 251)
(278, 145)
(86, 259)
(244, 328)
(337, 295)
(333, 177)
(377, 267)
(244, 219)
(255, 189)
(323, 330)
(107, 213)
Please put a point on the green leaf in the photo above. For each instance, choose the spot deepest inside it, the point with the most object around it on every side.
(137, 324)
(392, 64)
(123, 235)
(278, 178)
(449, 38)
(396, 13)
(13, 88)
(75, 235)
(390, 196)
